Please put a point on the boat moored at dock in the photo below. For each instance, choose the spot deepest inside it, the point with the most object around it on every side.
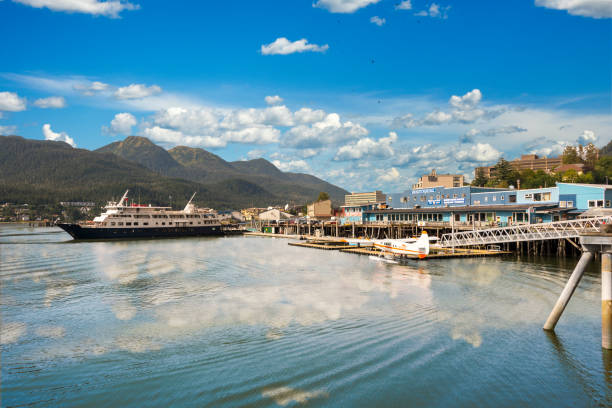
(123, 220)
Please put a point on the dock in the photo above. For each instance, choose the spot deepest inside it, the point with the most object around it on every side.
(435, 253)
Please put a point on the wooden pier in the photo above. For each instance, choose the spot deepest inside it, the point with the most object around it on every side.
(435, 253)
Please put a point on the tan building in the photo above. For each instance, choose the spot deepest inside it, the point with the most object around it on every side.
(434, 179)
(320, 210)
(357, 199)
(527, 161)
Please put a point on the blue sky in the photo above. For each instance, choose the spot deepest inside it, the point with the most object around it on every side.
(369, 93)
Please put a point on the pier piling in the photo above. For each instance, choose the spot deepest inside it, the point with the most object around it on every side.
(568, 291)
(606, 300)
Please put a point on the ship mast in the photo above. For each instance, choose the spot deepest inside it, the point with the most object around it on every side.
(123, 198)
(189, 202)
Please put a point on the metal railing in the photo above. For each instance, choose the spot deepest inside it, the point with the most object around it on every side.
(527, 232)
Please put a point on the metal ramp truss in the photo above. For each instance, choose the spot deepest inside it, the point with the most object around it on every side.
(528, 232)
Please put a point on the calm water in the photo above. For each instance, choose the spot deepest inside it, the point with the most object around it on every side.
(248, 321)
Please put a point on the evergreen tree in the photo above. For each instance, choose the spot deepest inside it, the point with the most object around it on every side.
(591, 154)
(480, 180)
(323, 196)
(570, 155)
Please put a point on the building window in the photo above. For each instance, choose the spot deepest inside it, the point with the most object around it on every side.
(546, 197)
(600, 203)
(476, 202)
(512, 198)
(486, 199)
(390, 198)
(570, 203)
(494, 198)
(608, 203)
(563, 204)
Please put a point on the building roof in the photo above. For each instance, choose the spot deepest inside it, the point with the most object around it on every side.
(607, 186)
(479, 208)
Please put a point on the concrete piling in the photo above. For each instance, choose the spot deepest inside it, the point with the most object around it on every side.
(569, 289)
(606, 300)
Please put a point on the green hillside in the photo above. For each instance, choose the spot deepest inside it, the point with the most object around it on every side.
(36, 171)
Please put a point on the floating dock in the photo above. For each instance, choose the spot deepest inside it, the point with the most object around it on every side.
(434, 253)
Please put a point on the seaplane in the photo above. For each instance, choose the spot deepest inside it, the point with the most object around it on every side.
(409, 247)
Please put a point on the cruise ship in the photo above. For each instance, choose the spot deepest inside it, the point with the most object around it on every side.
(124, 220)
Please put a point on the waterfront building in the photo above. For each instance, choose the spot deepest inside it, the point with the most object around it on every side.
(435, 197)
(356, 199)
(274, 215)
(527, 161)
(320, 210)
(354, 214)
(434, 179)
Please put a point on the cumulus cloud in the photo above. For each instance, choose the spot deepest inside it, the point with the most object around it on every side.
(136, 91)
(378, 21)
(273, 100)
(91, 88)
(11, 102)
(292, 165)
(404, 5)
(175, 137)
(51, 102)
(282, 46)
(109, 8)
(307, 115)
(8, 130)
(329, 131)
(464, 109)
(122, 124)
(58, 137)
(434, 11)
(368, 147)
(255, 154)
(478, 152)
(343, 6)
(587, 136)
(389, 176)
(584, 8)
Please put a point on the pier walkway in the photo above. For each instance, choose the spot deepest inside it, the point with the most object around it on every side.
(523, 233)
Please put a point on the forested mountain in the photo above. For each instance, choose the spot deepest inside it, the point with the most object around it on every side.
(207, 168)
(36, 171)
(606, 150)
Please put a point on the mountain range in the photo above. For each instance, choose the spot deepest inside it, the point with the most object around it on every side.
(40, 171)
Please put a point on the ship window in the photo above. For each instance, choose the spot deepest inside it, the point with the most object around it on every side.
(190, 222)
(163, 223)
(145, 223)
(170, 223)
(128, 223)
(135, 223)
(119, 223)
(112, 223)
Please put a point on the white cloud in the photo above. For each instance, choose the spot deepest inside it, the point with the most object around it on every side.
(89, 88)
(282, 46)
(328, 132)
(51, 102)
(378, 21)
(136, 91)
(11, 102)
(404, 5)
(58, 137)
(479, 152)
(434, 11)
(368, 147)
(307, 115)
(122, 124)
(255, 154)
(175, 138)
(343, 6)
(8, 130)
(273, 100)
(464, 109)
(292, 165)
(109, 8)
(389, 176)
(585, 8)
(587, 136)
(253, 134)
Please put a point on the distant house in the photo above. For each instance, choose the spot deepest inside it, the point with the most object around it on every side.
(578, 167)
(320, 210)
(434, 179)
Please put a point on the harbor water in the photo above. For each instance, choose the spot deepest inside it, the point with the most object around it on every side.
(251, 321)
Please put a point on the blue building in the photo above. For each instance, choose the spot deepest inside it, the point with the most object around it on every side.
(436, 197)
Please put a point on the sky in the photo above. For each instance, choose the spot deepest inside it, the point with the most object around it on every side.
(366, 94)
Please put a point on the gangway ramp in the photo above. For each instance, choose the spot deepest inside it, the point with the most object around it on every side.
(526, 232)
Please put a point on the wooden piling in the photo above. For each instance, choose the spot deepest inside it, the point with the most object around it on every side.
(606, 300)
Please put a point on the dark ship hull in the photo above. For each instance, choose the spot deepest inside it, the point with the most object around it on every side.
(79, 232)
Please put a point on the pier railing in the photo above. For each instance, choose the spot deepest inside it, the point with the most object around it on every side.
(526, 232)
